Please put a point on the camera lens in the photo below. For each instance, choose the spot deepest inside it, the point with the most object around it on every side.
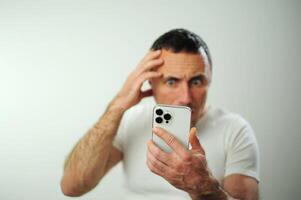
(167, 116)
(159, 120)
(159, 111)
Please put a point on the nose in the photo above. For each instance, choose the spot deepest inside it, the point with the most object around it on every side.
(184, 95)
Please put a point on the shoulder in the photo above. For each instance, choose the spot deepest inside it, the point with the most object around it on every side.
(141, 112)
(237, 130)
(232, 125)
(218, 116)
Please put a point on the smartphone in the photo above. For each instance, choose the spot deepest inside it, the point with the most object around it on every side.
(175, 120)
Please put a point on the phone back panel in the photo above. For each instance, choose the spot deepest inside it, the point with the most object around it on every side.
(177, 124)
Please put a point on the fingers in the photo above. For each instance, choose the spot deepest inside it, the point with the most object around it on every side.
(144, 77)
(194, 141)
(169, 159)
(160, 168)
(149, 62)
(151, 55)
(155, 165)
(149, 66)
(158, 153)
(172, 142)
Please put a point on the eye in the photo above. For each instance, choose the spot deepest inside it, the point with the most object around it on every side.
(196, 82)
(171, 82)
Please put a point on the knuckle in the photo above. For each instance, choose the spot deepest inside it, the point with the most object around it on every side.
(147, 65)
(157, 153)
(187, 158)
(158, 166)
(144, 76)
(151, 158)
(159, 132)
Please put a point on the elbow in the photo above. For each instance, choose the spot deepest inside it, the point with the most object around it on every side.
(70, 188)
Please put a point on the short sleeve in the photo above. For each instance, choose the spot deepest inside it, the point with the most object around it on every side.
(242, 150)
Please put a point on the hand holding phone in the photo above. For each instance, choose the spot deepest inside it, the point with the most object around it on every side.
(175, 120)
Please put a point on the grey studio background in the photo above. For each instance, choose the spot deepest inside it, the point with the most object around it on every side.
(62, 61)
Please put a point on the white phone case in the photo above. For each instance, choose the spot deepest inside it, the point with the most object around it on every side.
(178, 125)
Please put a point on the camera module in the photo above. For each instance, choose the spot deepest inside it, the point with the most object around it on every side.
(159, 111)
(159, 120)
(167, 116)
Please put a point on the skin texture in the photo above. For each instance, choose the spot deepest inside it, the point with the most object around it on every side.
(175, 78)
(94, 154)
(184, 81)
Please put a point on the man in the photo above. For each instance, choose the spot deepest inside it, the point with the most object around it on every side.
(223, 164)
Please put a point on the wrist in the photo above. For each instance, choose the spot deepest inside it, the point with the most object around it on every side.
(209, 190)
(117, 105)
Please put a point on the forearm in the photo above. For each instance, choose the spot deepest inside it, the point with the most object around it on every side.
(209, 190)
(86, 164)
(235, 187)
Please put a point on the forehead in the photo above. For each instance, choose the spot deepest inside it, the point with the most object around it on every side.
(181, 64)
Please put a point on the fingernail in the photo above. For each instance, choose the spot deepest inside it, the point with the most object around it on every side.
(155, 129)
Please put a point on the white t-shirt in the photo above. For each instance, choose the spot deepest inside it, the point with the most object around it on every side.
(228, 140)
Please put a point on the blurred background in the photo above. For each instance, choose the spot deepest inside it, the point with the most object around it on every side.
(62, 61)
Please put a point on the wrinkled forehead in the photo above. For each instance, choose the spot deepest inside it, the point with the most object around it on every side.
(185, 64)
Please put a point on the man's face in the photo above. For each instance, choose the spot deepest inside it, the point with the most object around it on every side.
(184, 81)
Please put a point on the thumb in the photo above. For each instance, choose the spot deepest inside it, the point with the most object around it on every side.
(194, 141)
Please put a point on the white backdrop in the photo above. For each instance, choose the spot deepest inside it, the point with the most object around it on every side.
(62, 61)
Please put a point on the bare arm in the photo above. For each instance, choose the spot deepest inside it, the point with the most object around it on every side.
(94, 154)
(241, 187)
(235, 187)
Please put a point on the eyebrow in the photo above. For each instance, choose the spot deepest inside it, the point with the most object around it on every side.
(171, 77)
(199, 75)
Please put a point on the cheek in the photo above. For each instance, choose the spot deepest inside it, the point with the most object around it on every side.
(200, 95)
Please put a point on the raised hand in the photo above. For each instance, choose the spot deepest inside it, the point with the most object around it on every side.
(131, 93)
